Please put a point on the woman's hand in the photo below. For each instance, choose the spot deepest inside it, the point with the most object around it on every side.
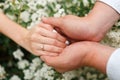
(43, 41)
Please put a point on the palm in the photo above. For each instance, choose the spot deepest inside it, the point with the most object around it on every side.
(71, 58)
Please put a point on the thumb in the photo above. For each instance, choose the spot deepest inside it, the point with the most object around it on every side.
(50, 60)
(56, 22)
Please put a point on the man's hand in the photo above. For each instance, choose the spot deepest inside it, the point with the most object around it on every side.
(73, 27)
(93, 27)
(71, 58)
(81, 54)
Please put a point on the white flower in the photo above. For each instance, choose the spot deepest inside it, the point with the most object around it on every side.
(37, 75)
(42, 2)
(2, 72)
(58, 6)
(32, 5)
(18, 54)
(85, 3)
(6, 6)
(37, 61)
(41, 13)
(57, 15)
(93, 1)
(16, 2)
(35, 64)
(51, 1)
(61, 12)
(34, 16)
(28, 74)
(46, 72)
(112, 39)
(25, 16)
(15, 77)
(23, 64)
(70, 75)
(1, 5)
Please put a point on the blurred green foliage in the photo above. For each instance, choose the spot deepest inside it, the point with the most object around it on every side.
(7, 46)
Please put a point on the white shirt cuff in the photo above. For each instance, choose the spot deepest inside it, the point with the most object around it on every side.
(115, 4)
(113, 65)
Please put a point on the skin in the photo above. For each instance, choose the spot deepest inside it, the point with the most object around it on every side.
(10, 29)
(81, 54)
(84, 53)
(43, 34)
(94, 26)
(54, 42)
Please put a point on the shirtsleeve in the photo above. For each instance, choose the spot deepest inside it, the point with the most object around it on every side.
(113, 65)
(115, 4)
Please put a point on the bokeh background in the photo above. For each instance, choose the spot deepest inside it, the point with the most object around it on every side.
(18, 64)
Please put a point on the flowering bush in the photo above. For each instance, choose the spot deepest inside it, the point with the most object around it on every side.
(18, 64)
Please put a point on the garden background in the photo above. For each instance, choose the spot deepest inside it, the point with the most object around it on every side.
(18, 64)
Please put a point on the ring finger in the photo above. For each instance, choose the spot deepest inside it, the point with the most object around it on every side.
(45, 40)
(45, 47)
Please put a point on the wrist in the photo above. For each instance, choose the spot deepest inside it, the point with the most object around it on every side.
(14, 31)
(99, 56)
(100, 21)
(23, 39)
(90, 27)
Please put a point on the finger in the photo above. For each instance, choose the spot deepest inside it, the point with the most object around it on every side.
(45, 53)
(50, 34)
(51, 61)
(48, 48)
(61, 38)
(56, 22)
(54, 61)
(50, 54)
(45, 40)
(46, 26)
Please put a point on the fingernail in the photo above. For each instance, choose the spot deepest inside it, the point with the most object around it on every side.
(54, 31)
(67, 42)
